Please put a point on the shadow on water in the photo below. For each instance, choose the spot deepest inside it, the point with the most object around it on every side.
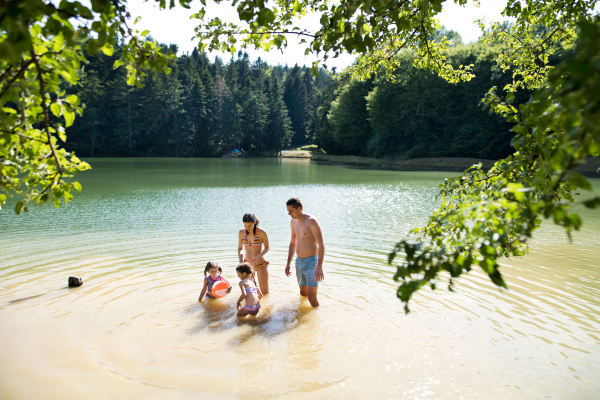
(271, 321)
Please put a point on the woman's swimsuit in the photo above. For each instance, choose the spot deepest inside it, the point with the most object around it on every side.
(252, 310)
(210, 285)
(256, 242)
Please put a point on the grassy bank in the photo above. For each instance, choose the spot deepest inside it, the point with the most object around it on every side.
(455, 164)
(417, 164)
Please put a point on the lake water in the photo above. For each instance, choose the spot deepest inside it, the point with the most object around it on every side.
(142, 230)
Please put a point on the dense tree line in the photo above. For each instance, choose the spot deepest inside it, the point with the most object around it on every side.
(206, 108)
(201, 108)
(416, 113)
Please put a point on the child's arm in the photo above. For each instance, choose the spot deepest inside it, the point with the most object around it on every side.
(203, 292)
(259, 293)
(229, 283)
(242, 297)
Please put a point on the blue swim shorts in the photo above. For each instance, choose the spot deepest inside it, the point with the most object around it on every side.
(305, 270)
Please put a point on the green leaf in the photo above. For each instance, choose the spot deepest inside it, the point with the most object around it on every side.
(55, 108)
(297, 6)
(144, 33)
(108, 50)
(9, 110)
(117, 64)
(72, 99)
(69, 117)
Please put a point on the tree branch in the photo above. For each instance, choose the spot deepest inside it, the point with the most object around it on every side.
(45, 109)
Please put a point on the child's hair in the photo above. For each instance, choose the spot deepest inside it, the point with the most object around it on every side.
(245, 268)
(210, 265)
(251, 218)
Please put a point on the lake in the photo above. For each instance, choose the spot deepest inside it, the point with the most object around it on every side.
(142, 230)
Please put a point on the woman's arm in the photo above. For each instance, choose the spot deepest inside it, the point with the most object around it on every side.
(240, 247)
(262, 234)
(203, 292)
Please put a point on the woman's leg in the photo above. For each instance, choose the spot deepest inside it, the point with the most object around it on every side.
(263, 279)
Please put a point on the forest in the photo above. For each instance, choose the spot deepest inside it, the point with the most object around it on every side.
(208, 108)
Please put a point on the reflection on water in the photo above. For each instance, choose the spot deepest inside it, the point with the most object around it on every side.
(142, 231)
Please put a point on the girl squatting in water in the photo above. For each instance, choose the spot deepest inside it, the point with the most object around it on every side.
(250, 291)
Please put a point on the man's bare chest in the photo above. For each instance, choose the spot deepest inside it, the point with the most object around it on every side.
(303, 232)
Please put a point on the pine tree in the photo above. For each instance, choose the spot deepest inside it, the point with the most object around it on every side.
(279, 126)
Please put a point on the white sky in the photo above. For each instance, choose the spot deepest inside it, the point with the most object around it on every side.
(175, 26)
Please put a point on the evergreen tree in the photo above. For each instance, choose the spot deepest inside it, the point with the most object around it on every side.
(279, 126)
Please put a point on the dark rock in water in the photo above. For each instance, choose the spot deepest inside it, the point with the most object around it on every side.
(75, 282)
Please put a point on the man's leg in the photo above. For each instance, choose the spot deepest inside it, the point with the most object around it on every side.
(312, 296)
(304, 291)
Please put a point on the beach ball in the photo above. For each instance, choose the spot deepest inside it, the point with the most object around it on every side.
(219, 289)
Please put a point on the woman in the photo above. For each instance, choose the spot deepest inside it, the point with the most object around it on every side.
(253, 239)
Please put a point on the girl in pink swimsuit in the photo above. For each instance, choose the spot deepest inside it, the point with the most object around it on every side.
(250, 291)
(214, 275)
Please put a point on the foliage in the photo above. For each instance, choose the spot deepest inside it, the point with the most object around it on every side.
(487, 215)
(419, 114)
(39, 49)
(349, 118)
(378, 29)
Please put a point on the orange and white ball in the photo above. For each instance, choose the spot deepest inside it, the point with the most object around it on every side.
(219, 289)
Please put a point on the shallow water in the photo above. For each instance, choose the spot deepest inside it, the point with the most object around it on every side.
(142, 230)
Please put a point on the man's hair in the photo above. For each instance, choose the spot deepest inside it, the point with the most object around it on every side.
(294, 202)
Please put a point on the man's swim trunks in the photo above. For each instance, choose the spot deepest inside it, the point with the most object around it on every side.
(305, 270)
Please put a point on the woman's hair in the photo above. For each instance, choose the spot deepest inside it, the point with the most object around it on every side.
(251, 218)
(245, 268)
(210, 265)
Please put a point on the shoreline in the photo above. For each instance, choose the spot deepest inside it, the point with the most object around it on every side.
(442, 164)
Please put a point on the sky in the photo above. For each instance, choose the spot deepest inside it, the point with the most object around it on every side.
(175, 26)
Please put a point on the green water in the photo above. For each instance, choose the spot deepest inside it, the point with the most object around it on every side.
(142, 230)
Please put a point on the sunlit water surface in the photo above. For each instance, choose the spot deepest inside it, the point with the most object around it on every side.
(142, 230)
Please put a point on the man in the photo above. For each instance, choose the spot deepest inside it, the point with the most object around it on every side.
(307, 242)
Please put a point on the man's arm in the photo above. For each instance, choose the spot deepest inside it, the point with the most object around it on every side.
(291, 250)
(315, 228)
